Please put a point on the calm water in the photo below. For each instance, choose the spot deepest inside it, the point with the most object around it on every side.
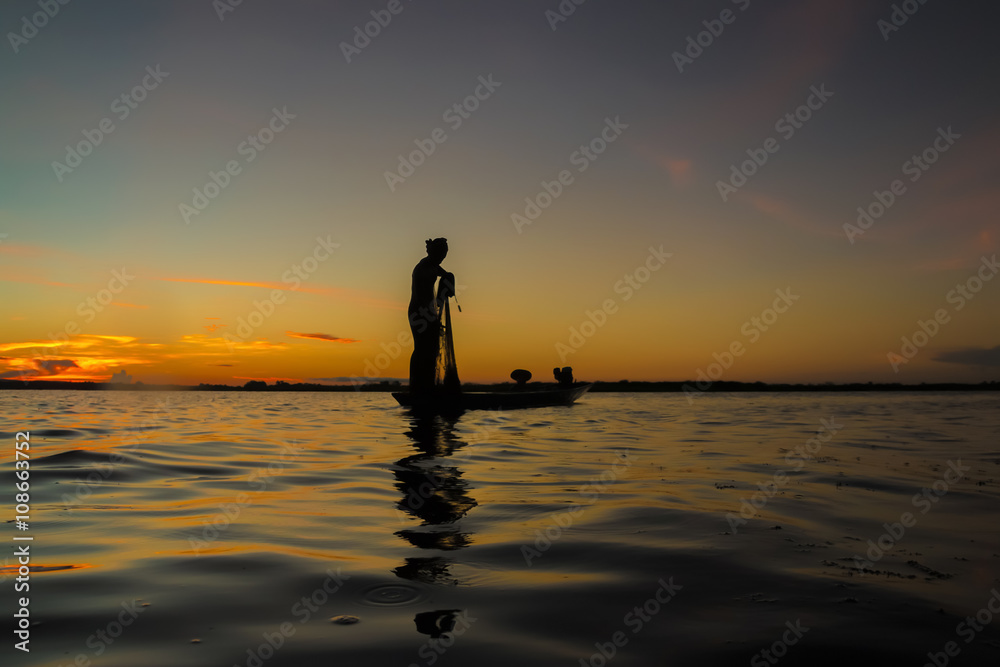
(229, 528)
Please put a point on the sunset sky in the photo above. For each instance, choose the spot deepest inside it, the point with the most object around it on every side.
(111, 262)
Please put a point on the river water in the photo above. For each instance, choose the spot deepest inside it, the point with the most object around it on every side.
(233, 528)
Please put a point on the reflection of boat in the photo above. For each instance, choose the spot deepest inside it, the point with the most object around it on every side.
(492, 400)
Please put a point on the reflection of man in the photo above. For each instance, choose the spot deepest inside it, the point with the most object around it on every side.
(423, 312)
(436, 623)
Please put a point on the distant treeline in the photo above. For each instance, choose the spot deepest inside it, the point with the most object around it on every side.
(621, 385)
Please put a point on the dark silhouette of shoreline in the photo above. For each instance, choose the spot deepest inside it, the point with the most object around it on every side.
(599, 386)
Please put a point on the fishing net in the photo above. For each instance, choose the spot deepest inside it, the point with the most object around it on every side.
(446, 371)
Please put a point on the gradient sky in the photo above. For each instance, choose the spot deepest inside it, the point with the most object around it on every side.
(186, 284)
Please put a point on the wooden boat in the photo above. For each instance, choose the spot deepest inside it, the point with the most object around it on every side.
(493, 400)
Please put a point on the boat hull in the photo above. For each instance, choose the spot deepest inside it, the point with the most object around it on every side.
(492, 400)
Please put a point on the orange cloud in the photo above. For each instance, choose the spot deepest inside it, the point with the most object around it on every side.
(124, 340)
(82, 357)
(219, 345)
(80, 342)
(29, 251)
(78, 369)
(29, 369)
(284, 287)
(11, 275)
(321, 336)
(356, 296)
(7, 347)
(788, 214)
(679, 169)
(55, 366)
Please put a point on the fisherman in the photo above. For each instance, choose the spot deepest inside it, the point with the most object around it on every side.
(425, 311)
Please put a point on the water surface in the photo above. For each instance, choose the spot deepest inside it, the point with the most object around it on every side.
(229, 528)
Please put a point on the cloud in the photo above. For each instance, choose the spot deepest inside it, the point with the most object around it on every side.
(55, 366)
(344, 379)
(231, 283)
(18, 375)
(971, 356)
(680, 169)
(121, 377)
(111, 339)
(42, 368)
(201, 345)
(343, 293)
(30, 251)
(787, 213)
(12, 275)
(807, 40)
(284, 287)
(92, 357)
(321, 336)
(79, 342)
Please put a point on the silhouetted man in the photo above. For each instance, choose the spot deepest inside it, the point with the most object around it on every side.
(424, 313)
